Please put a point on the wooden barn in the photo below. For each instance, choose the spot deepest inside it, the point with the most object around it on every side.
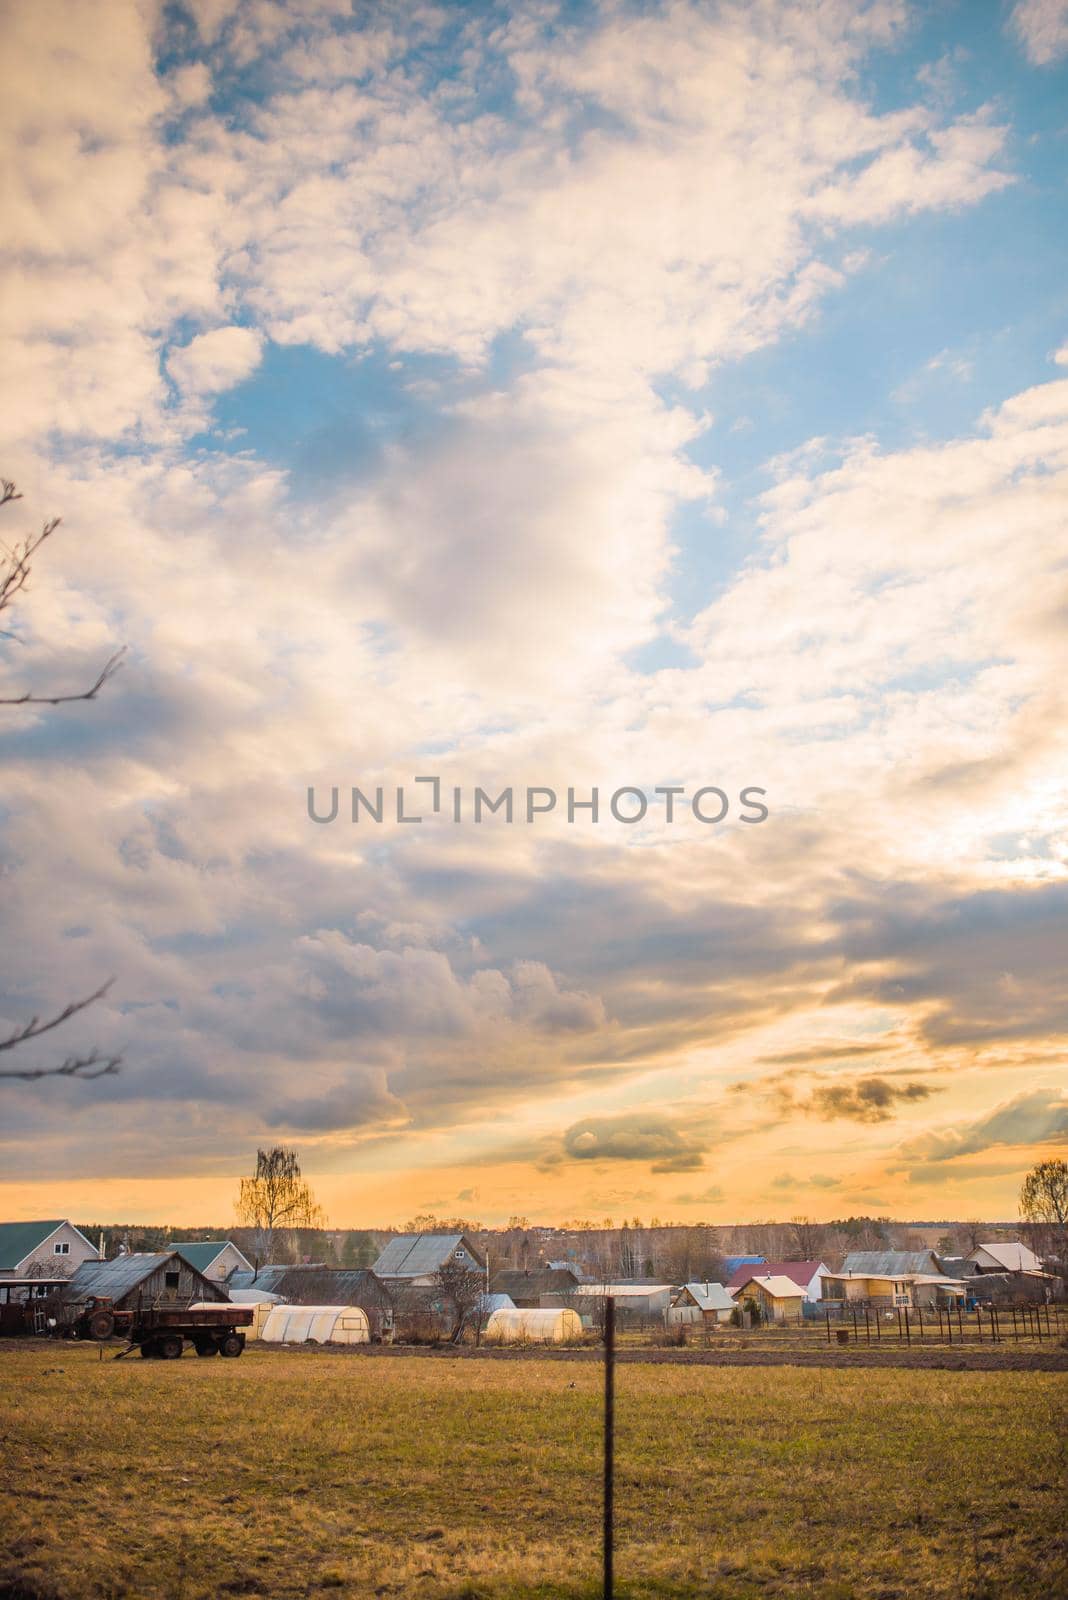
(141, 1278)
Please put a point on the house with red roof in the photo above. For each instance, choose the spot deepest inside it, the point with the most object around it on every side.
(807, 1275)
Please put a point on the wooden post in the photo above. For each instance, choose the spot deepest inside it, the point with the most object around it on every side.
(908, 1331)
(867, 1327)
(827, 1314)
(609, 1439)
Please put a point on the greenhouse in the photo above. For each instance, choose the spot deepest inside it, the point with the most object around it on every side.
(316, 1325)
(531, 1326)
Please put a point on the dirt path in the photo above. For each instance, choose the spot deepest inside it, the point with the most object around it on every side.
(945, 1358)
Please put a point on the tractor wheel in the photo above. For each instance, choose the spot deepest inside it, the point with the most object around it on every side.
(150, 1350)
(207, 1347)
(100, 1325)
(170, 1346)
(232, 1344)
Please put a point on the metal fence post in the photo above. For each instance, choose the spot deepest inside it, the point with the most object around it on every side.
(609, 1438)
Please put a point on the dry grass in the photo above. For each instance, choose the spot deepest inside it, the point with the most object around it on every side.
(311, 1474)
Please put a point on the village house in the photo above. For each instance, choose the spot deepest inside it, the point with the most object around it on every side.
(890, 1264)
(701, 1303)
(42, 1250)
(215, 1258)
(779, 1299)
(415, 1259)
(808, 1275)
(1011, 1257)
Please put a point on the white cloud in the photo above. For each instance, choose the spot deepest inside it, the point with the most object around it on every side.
(215, 361)
(1043, 28)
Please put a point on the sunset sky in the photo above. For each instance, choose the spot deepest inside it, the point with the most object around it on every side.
(560, 395)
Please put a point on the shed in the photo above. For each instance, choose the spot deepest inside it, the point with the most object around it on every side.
(534, 1326)
(707, 1303)
(315, 1325)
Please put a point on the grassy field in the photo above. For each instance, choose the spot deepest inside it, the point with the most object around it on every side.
(315, 1474)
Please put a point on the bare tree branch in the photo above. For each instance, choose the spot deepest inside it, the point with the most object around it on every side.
(16, 563)
(94, 1065)
(111, 666)
(35, 1027)
(15, 568)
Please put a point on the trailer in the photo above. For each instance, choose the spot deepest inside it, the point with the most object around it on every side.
(213, 1328)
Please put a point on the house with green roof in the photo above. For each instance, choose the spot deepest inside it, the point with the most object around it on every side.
(42, 1249)
(214, 1258)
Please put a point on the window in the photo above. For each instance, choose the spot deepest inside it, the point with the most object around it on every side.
(171, 1280)
(61, 1247)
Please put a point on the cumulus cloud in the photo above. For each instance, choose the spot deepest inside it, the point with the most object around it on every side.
(552, 269)
(636, 1136)
(215, 361)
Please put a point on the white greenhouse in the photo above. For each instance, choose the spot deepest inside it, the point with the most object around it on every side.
(529, 1325)
(316, 1325)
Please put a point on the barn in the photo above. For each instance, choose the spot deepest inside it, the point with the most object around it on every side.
(139, 1278)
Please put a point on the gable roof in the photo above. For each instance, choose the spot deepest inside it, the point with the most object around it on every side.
(201, 1253)
(800, 1272)
(732, 1263)
(888, 1263)
(413, 1255)
(779, 1287)
(514, 1281)
(312, 1285)
(115, 1279)
(709, 1296)
(20, 1239)
(1013, 1257)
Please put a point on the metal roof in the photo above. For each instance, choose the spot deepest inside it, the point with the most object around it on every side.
(200, 1253)
(20, 1239)
(710, 1296)
(799, 1272)
(779, 1288)
(732, 1263)
(537, 1280)
(114, 1279)
(307, 1285)
(888, 1263)
(413, 1255)
(1013, 1257)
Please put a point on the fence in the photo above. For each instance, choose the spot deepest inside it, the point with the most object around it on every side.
(855, 1324)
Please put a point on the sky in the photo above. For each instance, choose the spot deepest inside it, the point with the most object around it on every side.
(538, 397)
